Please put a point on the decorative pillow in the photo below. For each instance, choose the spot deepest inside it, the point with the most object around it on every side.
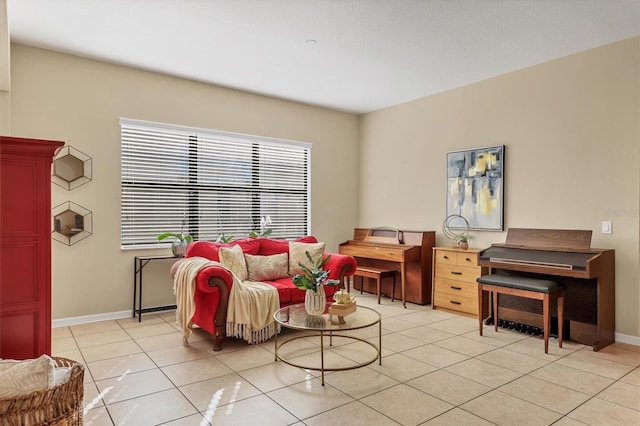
(297, 254)
(233, 258)
(22, 377)
(267, 268)
(211, 250)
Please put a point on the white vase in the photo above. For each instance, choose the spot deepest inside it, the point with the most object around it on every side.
(315, 301)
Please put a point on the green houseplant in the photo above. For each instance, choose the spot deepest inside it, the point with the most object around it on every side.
(179, 245)
(223, 239)
(313, 279)
(464, 239)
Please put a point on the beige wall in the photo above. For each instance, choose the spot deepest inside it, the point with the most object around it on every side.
(570, 127)
(572, 137)
(79, 101)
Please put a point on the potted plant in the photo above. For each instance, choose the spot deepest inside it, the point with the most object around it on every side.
(265, 231)
(223, 239)
(313, 280)
(464, 239)
(179, 245)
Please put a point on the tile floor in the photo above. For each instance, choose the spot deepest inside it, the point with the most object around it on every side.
(436, 370)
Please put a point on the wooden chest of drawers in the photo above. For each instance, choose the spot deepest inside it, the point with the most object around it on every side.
(454, 280)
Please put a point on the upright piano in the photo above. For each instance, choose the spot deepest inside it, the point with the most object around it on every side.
(564, 256)
(407, 252)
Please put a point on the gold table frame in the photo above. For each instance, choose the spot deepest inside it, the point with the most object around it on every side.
(295, 317)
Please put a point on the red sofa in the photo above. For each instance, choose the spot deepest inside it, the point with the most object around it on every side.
(213, 283)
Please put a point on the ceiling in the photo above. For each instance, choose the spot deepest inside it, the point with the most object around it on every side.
(351, 55)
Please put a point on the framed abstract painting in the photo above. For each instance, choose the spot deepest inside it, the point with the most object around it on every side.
(475, 187)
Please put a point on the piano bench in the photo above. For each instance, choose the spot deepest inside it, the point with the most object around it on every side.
(377, 274)
(531, 288)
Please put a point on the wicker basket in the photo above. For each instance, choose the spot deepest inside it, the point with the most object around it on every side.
(59, 405)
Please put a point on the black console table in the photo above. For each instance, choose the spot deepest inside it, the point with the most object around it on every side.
(139, 262)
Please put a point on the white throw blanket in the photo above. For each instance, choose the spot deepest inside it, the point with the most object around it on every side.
(250, 309)
(250, 312)
(184, 287)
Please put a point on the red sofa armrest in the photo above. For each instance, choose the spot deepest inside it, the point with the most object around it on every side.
(340, 266)
(214, 279)
(213, 285)
(211, 277)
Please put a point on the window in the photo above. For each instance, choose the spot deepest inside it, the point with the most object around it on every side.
(208, 183)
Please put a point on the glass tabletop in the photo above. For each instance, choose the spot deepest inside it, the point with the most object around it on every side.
(296, 317)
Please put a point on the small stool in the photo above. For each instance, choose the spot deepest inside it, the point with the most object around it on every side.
(524, 287)
(377, 274)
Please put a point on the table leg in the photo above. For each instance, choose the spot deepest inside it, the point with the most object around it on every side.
(402, 278)
(142, 265)
(322, 355)
(380, 342)
(135, 284)
(276, 347)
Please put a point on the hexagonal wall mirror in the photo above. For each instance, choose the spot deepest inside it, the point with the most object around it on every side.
(71, 223)
(71, 168)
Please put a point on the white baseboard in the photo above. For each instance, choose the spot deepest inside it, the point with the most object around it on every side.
(65, 322)
(625, 338)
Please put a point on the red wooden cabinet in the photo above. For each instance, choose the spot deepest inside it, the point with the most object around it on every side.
(25, 246)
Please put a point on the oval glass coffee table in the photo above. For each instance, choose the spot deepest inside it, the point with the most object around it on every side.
(296, 317)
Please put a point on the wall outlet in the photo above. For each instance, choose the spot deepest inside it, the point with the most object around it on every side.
(606, 227)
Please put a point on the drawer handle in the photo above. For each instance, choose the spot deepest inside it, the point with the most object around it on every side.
(456, 273)
(454, 302)
(467, 259)
(446, 257)
(455, 288)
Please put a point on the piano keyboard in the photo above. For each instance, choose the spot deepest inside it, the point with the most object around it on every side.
(530, 262)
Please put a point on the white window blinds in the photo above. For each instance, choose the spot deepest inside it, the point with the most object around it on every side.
(208, 183)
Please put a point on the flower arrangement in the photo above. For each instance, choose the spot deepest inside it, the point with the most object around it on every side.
(265, 231)
(313, 276)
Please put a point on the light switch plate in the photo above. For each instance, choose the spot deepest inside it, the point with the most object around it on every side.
(606, 227)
